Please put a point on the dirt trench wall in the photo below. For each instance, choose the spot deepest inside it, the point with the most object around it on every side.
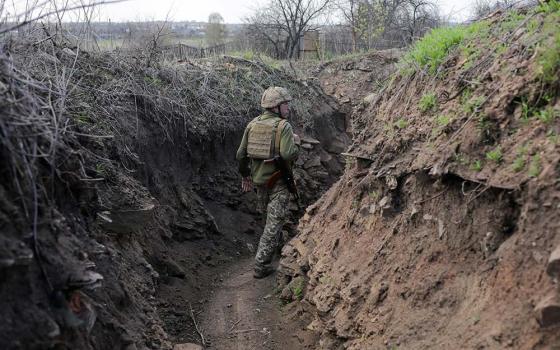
(430, 240)
(140, 195)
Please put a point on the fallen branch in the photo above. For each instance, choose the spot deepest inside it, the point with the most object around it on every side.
(198, 330)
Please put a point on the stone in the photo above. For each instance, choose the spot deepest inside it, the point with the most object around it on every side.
(548, 310)
(128, 220)
(187, 346)
(553, 267)
(310, 140)
(313, 162)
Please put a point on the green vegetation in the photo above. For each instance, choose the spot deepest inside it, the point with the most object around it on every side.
(443, 120)
(252, 56)
(374, 195)
(519, 161)
(401, 123)
(495, 155)
(518, 164)
(471, 104)
(547, 115)
(428, 102)
(153, 80)
(100, 169)
(512, 21)
(553, 137)
(548, 51)
(535, 166)
(430, 51)
(477, 165)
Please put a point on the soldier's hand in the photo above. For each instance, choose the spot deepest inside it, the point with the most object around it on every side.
(246, 184)
(297, 140)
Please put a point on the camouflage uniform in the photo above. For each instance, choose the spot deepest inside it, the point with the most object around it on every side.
(275, 202)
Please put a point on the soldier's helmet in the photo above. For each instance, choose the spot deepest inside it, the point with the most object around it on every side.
(274, 96)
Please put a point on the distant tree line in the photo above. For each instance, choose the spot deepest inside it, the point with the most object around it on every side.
(277, 27)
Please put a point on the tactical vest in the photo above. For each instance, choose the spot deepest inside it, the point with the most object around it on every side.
(264, 138)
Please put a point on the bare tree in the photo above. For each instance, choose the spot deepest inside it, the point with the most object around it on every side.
(287, 21)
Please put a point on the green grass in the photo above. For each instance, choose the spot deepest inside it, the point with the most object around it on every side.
(428, 102)
(472, 104)
(443, 120)
(547, 115)
(477, 165)
(495, 155)
(512, 21)
(548, 51)
(553, 137)
(518, 164)
(401, 123)
(535, 166)
(430, 51)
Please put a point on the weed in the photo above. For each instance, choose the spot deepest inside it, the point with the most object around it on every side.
(461, 159)
(374, 195)
(443, 120)
(473, 104)
(512, 21)
(535, 166)
(526, 110)
(477, 165)
(518, 164)
(532, 26)
(548, 52)
(83, 118)
(547, 115)
(153, 81)
(100, 169)
(548, 7)
(483, 125)
(428, 102)
(401, 123)
(495, 155)
(553, 137)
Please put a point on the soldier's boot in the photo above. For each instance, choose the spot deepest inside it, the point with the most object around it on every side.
(263, 271)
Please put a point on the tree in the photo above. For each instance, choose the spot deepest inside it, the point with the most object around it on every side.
(282, 23)
(215, 29)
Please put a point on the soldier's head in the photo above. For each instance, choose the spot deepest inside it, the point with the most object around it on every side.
(275, 99)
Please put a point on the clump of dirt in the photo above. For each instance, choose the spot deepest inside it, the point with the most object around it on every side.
(120, 193)
(438, 234)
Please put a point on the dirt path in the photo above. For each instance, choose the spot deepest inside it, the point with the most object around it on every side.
(244, 313)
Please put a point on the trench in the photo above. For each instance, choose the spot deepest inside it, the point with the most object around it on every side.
(206, 289)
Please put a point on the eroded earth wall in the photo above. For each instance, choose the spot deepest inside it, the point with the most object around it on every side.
(441, 231)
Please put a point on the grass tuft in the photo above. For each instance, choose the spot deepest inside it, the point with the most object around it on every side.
(428, 102)
(495, 155)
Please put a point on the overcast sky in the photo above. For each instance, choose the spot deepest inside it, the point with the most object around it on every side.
(232, 11)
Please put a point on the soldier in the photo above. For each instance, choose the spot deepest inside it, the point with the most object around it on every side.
(265, 137)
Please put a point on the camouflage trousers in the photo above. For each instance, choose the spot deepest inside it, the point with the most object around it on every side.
(276, 202)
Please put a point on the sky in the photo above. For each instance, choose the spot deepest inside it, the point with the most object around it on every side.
(233, 11)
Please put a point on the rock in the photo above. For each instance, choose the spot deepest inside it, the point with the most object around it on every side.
(310, 140)
(313, 162)
(553, 267)
(126, 221)
(307, 146)
(548, 311)
(187, 346)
